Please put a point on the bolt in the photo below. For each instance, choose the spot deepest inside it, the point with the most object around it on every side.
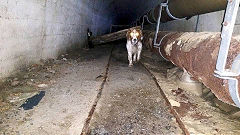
(225, 23)
(225, 82)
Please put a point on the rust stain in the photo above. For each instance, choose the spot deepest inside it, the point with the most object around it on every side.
(184, 108)
(199, 116)
(197, 53)
(185, 105)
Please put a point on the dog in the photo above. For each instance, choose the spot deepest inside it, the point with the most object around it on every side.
(134, 45)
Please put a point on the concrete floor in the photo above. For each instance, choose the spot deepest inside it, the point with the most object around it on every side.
(130, 102)
(67, 102)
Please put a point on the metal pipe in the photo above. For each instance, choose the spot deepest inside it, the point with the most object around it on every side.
(197, 53)
(186, 8)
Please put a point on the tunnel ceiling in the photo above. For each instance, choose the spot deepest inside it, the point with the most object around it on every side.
(126, 11)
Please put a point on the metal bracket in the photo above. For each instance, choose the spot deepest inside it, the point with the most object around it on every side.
(159, 47)
(226, 35)
(145, 16)
(233, 82)
(155, 44)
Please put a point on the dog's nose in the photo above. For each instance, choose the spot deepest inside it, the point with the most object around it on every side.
(134, 40)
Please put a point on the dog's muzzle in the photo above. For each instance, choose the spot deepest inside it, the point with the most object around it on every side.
(134, 41)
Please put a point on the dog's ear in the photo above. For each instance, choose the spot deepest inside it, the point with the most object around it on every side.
(138, 29)
(128, 33)
(140, 33)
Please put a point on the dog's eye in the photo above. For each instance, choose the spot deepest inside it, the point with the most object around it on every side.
(131, 34)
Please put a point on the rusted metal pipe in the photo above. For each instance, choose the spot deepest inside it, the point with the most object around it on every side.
(186, 8)
(197, 53)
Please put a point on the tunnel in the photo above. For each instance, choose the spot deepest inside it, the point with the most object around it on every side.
(67, 68)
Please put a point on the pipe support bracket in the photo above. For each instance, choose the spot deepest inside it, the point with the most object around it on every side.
(226, 35)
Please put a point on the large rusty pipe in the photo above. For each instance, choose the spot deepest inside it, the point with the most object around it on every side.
(196, 52)
(187, 8)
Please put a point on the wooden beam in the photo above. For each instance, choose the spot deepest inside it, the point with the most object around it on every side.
(110, 37)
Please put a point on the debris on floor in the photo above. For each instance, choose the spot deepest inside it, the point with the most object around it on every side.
(131, 103)
(55, 97)
(33, 101)
(201, 112)
(26, 82)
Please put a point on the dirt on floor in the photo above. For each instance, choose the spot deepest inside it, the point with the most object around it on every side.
(199, 114)
(131, 103)
(70, 85)
(65, 90)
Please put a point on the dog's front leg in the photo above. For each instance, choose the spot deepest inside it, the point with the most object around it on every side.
(138, 55)
(130, 59)
(135, 57)
(139, 51)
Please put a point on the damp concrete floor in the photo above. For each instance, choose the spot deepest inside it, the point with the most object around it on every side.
(130, 102)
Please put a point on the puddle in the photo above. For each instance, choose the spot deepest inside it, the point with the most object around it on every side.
(33, 101)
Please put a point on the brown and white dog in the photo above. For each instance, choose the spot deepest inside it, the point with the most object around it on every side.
(134, 45)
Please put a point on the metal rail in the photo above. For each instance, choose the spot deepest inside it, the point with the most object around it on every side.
(85, 130)
(172, 110)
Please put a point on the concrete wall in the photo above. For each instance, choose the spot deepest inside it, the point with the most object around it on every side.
(40, 29)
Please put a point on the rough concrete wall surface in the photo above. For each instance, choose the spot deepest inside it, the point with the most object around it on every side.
(237, 24)
(41, 29)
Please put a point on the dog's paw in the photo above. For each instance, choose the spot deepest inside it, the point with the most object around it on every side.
(130, 65)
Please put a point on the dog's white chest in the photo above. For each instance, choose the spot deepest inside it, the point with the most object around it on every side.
(134, 52)
(132, 48)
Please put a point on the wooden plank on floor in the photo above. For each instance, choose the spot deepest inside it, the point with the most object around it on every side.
(110, 37)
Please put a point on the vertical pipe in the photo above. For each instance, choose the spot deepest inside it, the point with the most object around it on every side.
(197, 23)
(158, 24)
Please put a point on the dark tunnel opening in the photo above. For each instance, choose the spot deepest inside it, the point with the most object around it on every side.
(126, 11)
